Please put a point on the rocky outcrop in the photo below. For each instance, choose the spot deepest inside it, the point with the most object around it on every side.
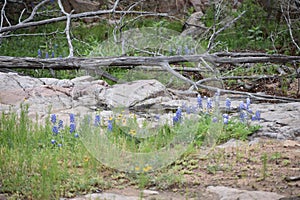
(83, 95)
(226, 193)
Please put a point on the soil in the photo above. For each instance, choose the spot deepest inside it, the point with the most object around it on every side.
(268, 165)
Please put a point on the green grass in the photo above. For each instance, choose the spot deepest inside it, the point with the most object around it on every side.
(34, 168)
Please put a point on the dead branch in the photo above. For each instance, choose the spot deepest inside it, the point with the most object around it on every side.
(74, 16)
(67, 29)
(95, 62)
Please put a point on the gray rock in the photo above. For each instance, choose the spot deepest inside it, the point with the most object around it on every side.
(133, 93)
(194, 27)
(84, 95)
(226, 193)
(105, 196)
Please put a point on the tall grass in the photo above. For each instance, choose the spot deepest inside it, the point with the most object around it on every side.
(37, 162)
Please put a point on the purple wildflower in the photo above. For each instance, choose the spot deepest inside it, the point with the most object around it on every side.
(59, 145)
(72, 118)
(199, 101)
(46, 55)
(53, 118)
(175, 120)
(186, 50)
(97, 120)
(76, 135)
(209, 104)
(72, 128)
(225, 120)
(52, 54)
(227, 103)
(39, 53)
(226, 116)
(53, 141)
(243, 116)
(214, 119)
(110, 125)
(178, 113)
(242, 106)
(55, 130)
(60, 124)
(257, 115)
(248, 102)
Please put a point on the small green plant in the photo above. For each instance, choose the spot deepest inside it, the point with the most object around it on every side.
(264, 170)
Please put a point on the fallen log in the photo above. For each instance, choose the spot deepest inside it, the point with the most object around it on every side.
(96, 62)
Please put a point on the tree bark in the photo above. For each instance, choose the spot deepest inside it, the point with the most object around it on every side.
(95, 62)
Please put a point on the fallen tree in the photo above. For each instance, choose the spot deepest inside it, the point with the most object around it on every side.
(96, 62)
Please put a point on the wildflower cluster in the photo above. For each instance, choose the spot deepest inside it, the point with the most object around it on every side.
(244, 111)
(180, 50)
(58, 129)
(46, 54)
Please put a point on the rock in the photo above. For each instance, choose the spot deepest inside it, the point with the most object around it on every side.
(84, 95)
(226, 193)
(200, 5)
(150, 192)
(82, 5)
(280, 121)
(194, 27)
(108, 196)
(131, 94)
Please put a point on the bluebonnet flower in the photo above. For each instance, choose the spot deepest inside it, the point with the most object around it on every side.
(110, 125)
(243, 116)
(97, 120)
(72, 128)
(175, 120)
(72, 118)
(215, 119)
(76, 135)
(199, 101)
(55, 130)
(209, 104)
(186, 50)
(53, 141)
(60, 124)
(177, 117)
(46, 55)
(225, 120)
(257, 115)
(52, 1)
(53, 118)
(248, 102)
(242, 106)
(193, 109)
(157, 117)
(52, 54)
(59, 145)
(39, 53)
(226, 116)
(178, 113)
(188, 110)
(228, 103)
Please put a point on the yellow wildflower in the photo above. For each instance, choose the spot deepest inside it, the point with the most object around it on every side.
(137, 168)
(147, 169)
(132, 132)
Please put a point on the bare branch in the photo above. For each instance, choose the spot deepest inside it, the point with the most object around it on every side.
(67, 29)
(33, 12)
(94, 62)
(215, 34)
(79, 15)
(289, 24)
